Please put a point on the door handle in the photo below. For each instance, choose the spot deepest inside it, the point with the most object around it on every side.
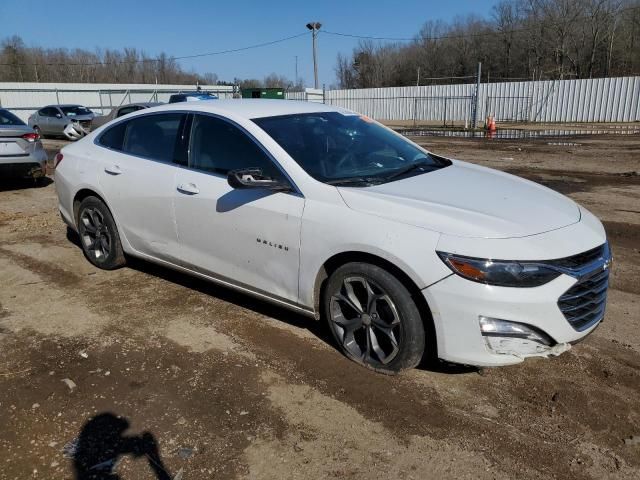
(188, 188)
(113, 170)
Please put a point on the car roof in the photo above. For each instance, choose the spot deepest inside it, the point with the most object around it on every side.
(253, 107)
(63, 105)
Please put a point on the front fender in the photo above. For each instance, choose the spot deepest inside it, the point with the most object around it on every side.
(332, 229)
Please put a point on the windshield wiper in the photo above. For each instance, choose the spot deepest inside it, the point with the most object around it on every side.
(354, 181)
(426, 166)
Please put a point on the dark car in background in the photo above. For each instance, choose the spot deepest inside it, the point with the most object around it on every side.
(21, 151)
(191, 97)
(121, 111)
(70, 121)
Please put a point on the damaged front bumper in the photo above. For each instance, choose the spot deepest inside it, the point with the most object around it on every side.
(484, 325)
(75, 131)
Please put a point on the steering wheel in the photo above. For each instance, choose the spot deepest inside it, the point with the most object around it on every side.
(347, 160)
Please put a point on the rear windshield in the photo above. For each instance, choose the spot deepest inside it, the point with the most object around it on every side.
(8, 118)
(75, 111)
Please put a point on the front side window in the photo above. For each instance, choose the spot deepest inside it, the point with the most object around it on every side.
(8, 118)
(153, 136)
(218, 146)
(75, 110)
(339, 148)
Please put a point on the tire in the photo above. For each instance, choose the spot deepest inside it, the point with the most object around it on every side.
(388, 335)
(99, 235)
(38, 131)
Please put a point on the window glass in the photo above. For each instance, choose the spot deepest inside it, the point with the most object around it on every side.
(8, 118)
(218, 146)
(48, 112)
(75, 110)
(126, 110)
(334, 147)
(114, 136)
(153, 136)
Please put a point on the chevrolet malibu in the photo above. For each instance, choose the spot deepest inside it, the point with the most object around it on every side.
(404, 253)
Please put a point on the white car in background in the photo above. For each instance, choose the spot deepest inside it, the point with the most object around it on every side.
(324, 211)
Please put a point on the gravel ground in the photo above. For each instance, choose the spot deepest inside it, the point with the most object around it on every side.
(159, 375)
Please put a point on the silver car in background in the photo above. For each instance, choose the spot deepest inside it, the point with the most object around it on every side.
(21, 151)
(121, 111)
(70, 121)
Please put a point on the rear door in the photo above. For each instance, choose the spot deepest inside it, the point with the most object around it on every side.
(138, 172)
(250, 236)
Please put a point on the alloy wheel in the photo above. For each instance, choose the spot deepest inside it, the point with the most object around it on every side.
(366, 321)
(95, 233)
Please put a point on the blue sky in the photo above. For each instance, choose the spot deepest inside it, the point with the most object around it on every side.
(198, 26)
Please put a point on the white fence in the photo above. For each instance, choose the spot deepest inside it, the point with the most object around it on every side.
(25, 98)
(588, 100)
(309, 95)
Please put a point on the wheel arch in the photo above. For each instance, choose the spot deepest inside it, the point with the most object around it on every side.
(81, 195)
(342, 258)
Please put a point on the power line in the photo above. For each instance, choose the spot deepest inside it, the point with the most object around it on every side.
(158, 59)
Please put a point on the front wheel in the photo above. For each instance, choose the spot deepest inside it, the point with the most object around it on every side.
(99, 235)
(373, 318)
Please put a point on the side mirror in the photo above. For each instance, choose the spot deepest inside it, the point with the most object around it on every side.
(253, 178)
(58, 115)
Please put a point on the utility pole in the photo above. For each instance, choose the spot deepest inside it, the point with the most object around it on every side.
(314, 27)
(474, 123)
(296, 70)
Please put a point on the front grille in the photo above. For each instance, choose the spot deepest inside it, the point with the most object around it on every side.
(583, 304)
(581, 259)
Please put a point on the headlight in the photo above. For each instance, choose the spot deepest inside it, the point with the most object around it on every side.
(503, 273)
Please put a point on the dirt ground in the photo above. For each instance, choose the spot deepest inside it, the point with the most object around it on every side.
(171, 377)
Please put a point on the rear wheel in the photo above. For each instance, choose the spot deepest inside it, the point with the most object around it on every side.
(99, 235)
(38, 131)
(373, 318)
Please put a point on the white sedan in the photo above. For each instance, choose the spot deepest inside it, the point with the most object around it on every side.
(404, 253)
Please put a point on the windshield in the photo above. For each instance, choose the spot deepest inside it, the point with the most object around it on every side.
(75, 110)
(339, 148)
(8, 118)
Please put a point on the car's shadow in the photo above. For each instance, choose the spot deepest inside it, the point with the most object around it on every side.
(9, 184)
(317, 328)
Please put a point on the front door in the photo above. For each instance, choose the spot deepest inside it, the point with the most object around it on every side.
(248, 236)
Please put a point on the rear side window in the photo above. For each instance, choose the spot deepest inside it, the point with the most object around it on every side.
(114, 137)
(8, 118)
(153, 136)
(48, 112)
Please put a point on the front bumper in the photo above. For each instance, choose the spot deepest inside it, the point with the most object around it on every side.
(456, 305)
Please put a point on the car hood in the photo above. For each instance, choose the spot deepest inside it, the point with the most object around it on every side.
(467, 200)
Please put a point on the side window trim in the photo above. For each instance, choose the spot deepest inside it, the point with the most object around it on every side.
(251, 138)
